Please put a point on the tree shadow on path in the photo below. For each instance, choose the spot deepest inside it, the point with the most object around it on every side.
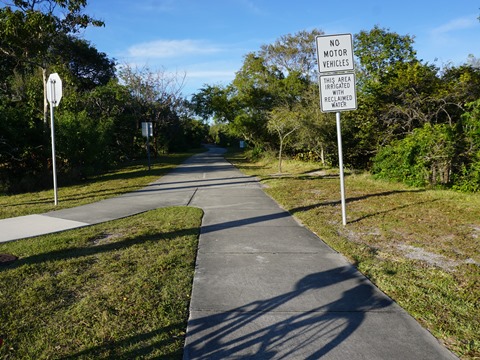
(268, 329)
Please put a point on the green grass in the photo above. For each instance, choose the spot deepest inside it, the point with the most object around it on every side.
(421, 247)
(122, 180)
(118, 290)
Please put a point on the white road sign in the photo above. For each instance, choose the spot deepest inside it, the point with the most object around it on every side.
(147, 129)
(54, 89)
(338, 92)
(335, 53)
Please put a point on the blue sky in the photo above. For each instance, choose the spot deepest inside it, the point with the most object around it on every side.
(207, 39)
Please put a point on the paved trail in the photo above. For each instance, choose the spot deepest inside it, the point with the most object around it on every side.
(264, 287)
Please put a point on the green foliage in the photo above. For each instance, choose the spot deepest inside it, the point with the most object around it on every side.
(422, 158)
(294, 53)
(215, 102)
(317, 132)
(256, 153)
(19, 153)
(193, 134)
(468, 178)
(83, 143)
(309, 156)
(380, 51)
(279, 75)
(220, 134)
(98, 119)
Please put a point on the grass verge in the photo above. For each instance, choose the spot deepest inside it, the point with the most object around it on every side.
(421, 247)
(116, 182)
(119, 290)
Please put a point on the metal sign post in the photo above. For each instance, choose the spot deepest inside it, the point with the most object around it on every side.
(340, 165)
(147, 131)
(337, 88)
(54, 94)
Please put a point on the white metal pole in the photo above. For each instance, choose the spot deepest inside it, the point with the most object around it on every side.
(340, 165)
(54, 163)
(148, 146)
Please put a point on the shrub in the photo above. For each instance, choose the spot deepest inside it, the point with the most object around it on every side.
(424, 157)
(468, 176)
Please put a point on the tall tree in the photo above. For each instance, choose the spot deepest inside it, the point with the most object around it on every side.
(380, 51)
(387, 70)
(215, 102)
(295, 52)
(157, 96)
(283, 121)
(31, 29)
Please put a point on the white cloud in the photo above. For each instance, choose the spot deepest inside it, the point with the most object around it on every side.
(456, 24)
(162, 49)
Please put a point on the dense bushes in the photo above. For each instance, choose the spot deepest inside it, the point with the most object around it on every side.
(97, 123)
(467, 178)
(424, 157)
(438, 154)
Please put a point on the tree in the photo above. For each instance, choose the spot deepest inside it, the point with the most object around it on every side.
(466, 176)
(381, 51)
(316, 136)
(157, 98)
(255, 95)
(424, 157)
(283, 121)
(387, 71)
(295, 52)
(215, 102)
(30, 30)
(88, 67)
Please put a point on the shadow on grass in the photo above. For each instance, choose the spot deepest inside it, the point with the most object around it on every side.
(138, 173)
(302, 176)
(103, 193)
(391, 210)
(132, 170)
(113, 350)
(236, 333)
(43, 200)
(94, 249)
(359, 198)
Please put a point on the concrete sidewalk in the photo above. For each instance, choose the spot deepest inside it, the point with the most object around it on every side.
(264, 286)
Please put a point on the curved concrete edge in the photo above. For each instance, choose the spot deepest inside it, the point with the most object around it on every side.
(34, 225)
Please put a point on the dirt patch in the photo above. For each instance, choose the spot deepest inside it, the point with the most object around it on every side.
(7, 259)
(317, 173)
(105, 238)
(476, 231)
(323, 174)
(415, 253)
